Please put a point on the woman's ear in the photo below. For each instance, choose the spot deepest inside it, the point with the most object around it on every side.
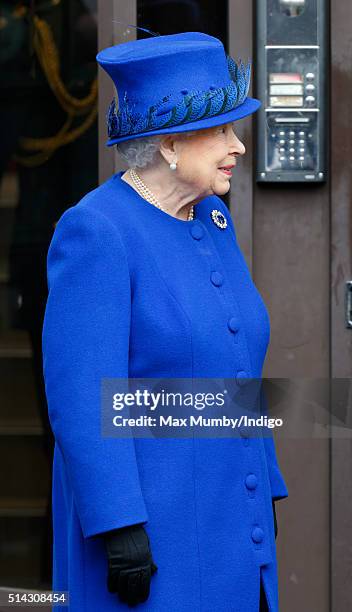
(167, 148)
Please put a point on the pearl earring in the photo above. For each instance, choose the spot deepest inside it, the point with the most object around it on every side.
(173, 165)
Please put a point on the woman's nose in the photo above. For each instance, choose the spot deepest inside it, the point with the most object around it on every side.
(237, 145)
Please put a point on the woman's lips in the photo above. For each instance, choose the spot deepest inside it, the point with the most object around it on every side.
(227, 170)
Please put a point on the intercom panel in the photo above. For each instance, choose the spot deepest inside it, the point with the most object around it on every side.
(292, 84)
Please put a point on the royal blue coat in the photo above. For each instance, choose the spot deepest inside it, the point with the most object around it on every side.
(135, 292)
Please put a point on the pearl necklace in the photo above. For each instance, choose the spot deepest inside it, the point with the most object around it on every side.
(148, 195)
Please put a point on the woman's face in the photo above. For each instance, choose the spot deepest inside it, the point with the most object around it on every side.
(205, 160)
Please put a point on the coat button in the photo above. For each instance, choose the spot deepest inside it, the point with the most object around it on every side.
(241, 378)
(233, 324)
(257, 535)
(216, 278)
(251, 481)
(243, 432)
(244, 435)
(197, 232)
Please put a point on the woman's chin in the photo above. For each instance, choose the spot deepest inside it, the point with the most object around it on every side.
(221, 188)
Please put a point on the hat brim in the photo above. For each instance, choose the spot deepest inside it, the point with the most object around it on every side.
(249, 106)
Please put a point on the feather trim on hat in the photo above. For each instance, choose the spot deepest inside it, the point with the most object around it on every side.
(193, 106)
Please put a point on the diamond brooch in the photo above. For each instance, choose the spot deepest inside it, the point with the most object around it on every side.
(218, 218)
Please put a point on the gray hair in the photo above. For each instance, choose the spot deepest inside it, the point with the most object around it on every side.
(140, 152)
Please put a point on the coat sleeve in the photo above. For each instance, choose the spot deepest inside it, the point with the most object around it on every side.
(278, 486)
(85, 338)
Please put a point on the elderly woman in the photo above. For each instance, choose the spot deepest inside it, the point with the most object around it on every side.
(146, 280)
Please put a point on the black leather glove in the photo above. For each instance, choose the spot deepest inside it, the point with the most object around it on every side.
(130, 563)
(275, 521)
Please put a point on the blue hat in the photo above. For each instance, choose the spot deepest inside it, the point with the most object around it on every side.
(175, 83)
